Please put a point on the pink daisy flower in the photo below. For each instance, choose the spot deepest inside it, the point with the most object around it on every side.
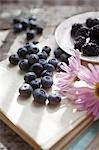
(88, 97)
(65, 80)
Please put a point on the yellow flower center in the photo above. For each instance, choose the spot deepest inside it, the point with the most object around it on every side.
(97, 89)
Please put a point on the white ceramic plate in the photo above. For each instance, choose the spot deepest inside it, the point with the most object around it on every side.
(63, 37)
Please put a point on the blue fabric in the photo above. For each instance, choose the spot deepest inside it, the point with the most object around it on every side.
(86, 137)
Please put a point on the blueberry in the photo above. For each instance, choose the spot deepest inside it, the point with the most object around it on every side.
(40, 95)
(46, 49)
(18, 28)
(53, 61)
(75, 28)
(54, 99)
(30, 34)
(37, 68)
(49, 67)
(35, 42)
(24, 65)
(91, 22)
(29, 77)
(59, 69)
(43, 55)
(35, 84)
(64, 58)
(83, 31)
(22, 52)
(16, 20)
(25, 24)
(32, 25)
(25, 90)
(39, 29)
(32, 49)
(33, 58)
(42, 62)
(58, 52)
(46, 73)
(14, 59)
(90, 49)
(47, 82)
(34, 18)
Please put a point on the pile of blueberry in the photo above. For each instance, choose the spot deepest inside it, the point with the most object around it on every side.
(86, 37)
(38, 70)
(29, 25)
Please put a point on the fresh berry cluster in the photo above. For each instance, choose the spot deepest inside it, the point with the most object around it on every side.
(86, 37)
(29, 25)
(38, 69)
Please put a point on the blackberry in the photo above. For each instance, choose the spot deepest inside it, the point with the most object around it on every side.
(79, 42)
(91, 22)
(90, 49)
(83, 31)
(75, 28)
(94, 32)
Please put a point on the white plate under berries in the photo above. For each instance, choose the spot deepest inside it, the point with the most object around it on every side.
(63, 34)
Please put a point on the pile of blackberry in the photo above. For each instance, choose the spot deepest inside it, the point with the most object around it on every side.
(86, 37)
(38, 69)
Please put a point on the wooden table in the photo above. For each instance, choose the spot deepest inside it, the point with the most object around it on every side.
(50, 17)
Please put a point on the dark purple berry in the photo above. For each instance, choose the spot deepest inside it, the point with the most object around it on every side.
(30, 34)
(29, 77)
(53, 61)
(25, 24)
(39, 29)
(32, 49)
(25, 90)
(35, 84)
(33, 58)
(54, 99)
(58, 52)
(79, 42)
(40, 96)
(32, 25)
(42, 62)
(16, 21)
(34, 18)
(47, 82)
(64, 58)
(14, 59)
(18, 28)
(46, 49)
(46, 73)
(43, 55)
(94, 32)
(49, 67)
(75, 28)
(22, 52)
(90, 49)
(24, 65)
(91, 22)
(83, 31)
(37, 68)
(35, 42)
